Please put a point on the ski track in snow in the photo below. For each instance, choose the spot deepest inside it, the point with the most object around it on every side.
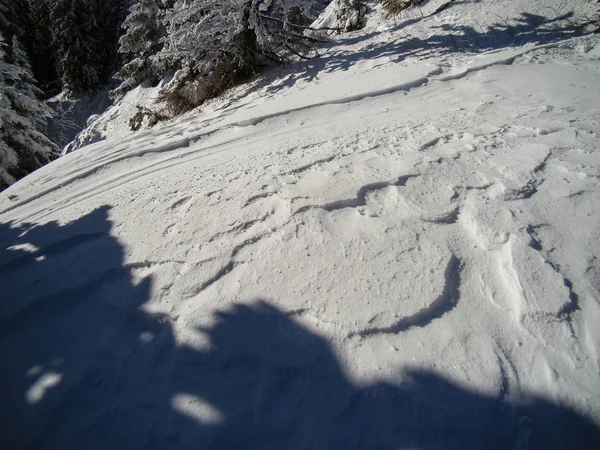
(425, 251)
(186, 142)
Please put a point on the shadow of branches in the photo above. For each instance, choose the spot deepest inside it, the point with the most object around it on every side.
(446, 38)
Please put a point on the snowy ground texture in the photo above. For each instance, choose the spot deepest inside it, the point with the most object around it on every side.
(395, 248)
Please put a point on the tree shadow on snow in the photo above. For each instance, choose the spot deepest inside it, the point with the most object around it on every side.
(84, 366)
(543, 28)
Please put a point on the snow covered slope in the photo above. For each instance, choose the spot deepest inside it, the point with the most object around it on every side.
(397, 248)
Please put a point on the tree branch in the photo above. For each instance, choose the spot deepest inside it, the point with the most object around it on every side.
(298, 26)
(296, 53)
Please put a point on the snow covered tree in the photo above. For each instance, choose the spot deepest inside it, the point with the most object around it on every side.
(205, 34)
(342, 15)
(76, 41)
(228, 36)
(4, 23)
(72, 44)
(24, 146)
(110, 15)
(215, 44)
(38, 41)
(142, 39)
(13, 16)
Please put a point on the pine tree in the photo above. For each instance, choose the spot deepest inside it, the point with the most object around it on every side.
(4, 10)
(13, 16)
(141, 40)
(110, 15)
(76, 41)
(229, 36)
(24, 146)
(73, 43)
(38, 40)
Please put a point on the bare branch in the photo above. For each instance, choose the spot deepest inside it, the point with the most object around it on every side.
(297, 54)
(298, 26)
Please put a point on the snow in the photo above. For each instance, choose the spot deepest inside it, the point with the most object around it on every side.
(72, 113)
(396, 248)
(340, 15)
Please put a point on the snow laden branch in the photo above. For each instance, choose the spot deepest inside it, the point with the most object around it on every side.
(235, 35)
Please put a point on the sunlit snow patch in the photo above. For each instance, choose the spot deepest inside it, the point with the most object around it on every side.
(196, 408)
(37, 391)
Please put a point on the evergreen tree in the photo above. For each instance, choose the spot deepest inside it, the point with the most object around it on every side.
(73, 43)
(4, 23)
(206, 37)
(38, 41)
(110, 15)
(76, 41)
(13, 16)
(24, 146)
(141, 40)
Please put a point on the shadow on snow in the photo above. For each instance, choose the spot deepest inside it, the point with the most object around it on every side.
(85, 367)
(528, 28)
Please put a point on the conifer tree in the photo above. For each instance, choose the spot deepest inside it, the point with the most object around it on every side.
(75, 39)
(38, 42)
(4, 23)
(142, 37)
(24, 145)
(13, 17)
(227, 36)
(110, 15)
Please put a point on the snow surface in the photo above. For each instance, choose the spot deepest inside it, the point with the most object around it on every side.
(396, 248)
